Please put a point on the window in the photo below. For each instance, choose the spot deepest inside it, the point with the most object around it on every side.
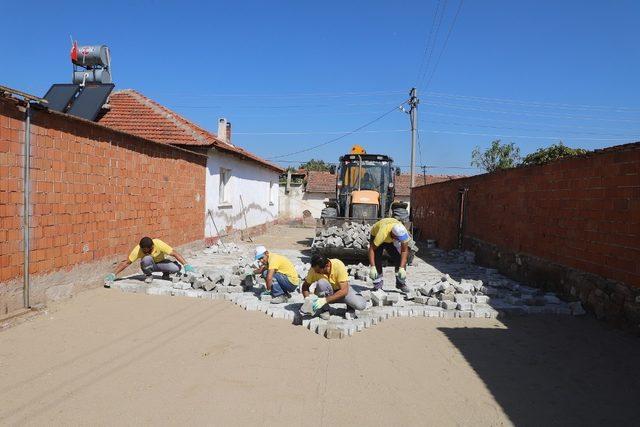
(224, 194)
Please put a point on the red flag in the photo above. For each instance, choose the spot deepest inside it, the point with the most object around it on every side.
(74, 51)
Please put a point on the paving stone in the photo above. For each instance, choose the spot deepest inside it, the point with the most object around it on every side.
(448, 305)
(465, 306)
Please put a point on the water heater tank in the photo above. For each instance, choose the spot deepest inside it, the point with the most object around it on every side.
(91, 56)
(98, 75)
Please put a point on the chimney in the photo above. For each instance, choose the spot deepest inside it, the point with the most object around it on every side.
(229, 132)
(222, 130)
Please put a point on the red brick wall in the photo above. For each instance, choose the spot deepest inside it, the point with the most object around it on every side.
(95, 192)
(582, 212)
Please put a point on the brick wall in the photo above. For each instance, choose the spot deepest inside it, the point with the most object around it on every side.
(581, 214)
(95, 192)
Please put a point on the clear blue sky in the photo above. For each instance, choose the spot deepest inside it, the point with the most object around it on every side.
(531, 72)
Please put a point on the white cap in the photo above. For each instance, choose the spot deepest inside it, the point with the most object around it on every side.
(260, 250)
(400, 233)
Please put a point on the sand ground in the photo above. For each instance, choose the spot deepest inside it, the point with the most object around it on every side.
(111, 358)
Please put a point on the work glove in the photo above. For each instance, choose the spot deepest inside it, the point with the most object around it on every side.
(265, 292)
(110, 277)
(402, 273)
(319, 303)
(189, 269)
(373, 273)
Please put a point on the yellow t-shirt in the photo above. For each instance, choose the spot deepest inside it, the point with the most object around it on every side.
(160, 249)
(381, 231)
(338, 274)
(283, 265)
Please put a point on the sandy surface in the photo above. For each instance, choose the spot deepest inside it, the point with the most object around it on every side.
(108, 357)
(114, 358)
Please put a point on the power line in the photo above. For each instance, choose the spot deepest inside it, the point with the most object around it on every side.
(516, 121)
(341, 136)
(532, 103)
(528, 113)
(435, 41)
(226, 107)
(319, 132)
(526, 136)
(428, 42)
(444, 46)
(282, 95)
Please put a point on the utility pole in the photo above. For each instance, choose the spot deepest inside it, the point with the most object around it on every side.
(413, 116)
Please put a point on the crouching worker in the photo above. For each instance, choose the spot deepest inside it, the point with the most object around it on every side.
(391, 236)
(329, 280)
(281, 277)
(152, 254)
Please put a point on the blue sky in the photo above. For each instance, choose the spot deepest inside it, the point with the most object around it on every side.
(290, 75)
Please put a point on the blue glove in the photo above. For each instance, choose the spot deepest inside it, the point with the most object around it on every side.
(319, 303)
(110, 277)
(189, 269)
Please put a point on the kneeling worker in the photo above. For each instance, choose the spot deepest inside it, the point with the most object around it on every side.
(152, 253)
(281, 277)
(391, 236)
(331, 281)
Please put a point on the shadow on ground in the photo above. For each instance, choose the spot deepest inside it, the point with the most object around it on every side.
(556, 370)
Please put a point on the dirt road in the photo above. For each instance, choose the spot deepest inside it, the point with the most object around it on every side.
(112, 358)
(107, 357)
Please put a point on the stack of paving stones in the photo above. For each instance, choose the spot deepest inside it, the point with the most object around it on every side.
(348, 235)
(449, 286)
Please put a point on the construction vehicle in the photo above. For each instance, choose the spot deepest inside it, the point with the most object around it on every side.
(365, 193)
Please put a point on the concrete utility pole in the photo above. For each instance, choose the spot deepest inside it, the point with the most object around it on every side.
(413, 115)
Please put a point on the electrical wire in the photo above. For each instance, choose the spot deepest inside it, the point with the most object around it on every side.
(533, 103)
(341, 136)
(428, 42)
(528, 113)
(444, 46)
(435, 42)
(283, 95)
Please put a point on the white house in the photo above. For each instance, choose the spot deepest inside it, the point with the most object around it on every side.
(241, 189)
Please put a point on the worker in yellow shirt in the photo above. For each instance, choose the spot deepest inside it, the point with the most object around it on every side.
(391, 236)
(152, 254)
(328, 279)
(281, 277)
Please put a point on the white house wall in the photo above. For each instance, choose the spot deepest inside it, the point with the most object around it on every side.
(257, 185)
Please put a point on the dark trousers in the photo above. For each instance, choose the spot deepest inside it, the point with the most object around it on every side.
(393, 253)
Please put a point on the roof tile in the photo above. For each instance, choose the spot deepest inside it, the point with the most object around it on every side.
(134, 113)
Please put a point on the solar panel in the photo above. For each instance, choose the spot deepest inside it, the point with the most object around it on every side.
(59, 95)
(88, 104)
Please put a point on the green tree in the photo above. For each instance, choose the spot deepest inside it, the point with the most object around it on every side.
(315, 165)
(553, 152)
(498, 156)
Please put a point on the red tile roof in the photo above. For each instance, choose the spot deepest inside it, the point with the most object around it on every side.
(136, 114)
(324, 182)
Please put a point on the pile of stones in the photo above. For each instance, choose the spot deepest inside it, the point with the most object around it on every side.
(348, 235)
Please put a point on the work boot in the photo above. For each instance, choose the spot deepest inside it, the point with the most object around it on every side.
(148, 279)
(279, 300)
(166, 276)
(404, 289)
